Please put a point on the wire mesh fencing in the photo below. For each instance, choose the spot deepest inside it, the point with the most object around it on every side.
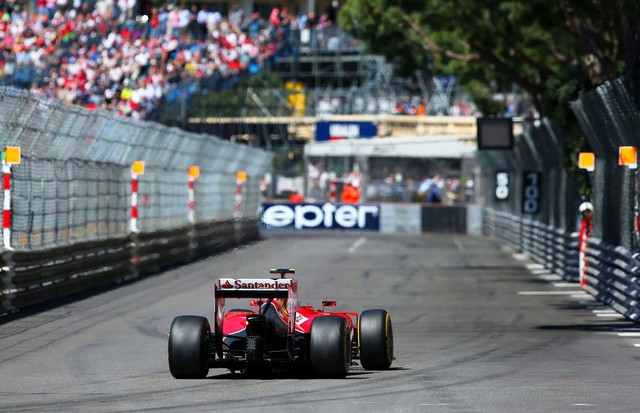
(531, 201)
(608, 257)
(610, 119)
(74, 182)
(77, 218)
(63, 202)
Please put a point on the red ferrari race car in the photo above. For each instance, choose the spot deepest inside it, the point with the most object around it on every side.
(277, 333)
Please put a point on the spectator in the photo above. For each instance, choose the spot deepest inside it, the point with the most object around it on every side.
(97, 55)
(350, 194)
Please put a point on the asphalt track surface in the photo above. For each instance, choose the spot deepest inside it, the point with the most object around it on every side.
(466, 341)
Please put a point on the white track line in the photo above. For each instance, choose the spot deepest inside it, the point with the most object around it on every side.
(583, 296)
(550, 277)
(628, 334)
(357, 244)
(607, 315)
(637, 345)
(541, 271)
(565, 285)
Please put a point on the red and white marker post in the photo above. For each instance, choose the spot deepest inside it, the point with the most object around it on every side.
(194, 174)
(6, 206)
(137, 170)
(10, 156)
(241, 178)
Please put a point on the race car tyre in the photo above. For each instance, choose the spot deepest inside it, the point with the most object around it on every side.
(375, 335)
(329, 350)
(188, 347)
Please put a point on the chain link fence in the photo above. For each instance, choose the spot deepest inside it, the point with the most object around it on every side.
(72, 199)
(537, 213)
(608, 260)
(63, 202)
(610, 119)
(73, 184)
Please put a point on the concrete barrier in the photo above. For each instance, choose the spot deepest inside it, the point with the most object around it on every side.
(400, 218)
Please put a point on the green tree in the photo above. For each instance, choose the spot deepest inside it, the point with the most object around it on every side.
(552, 50)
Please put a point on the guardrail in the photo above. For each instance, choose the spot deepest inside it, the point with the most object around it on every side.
(612, 277)
(552, 247)
(532, 200)
(91, 199)
(35, 277)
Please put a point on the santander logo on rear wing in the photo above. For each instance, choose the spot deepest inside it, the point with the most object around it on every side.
(254, 284)
(256, 288)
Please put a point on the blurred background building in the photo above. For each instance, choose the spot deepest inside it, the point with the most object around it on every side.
(259, 72)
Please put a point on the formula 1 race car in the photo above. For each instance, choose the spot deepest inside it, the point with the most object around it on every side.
(277, 333)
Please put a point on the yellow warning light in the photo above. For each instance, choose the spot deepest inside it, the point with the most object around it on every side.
(241, 177)
(587, 161)
(12, 155)
(194, 171)
(628, 156)
(138, 167)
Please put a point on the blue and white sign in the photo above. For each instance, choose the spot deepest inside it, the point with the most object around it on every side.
(531, 192)
(326, 131)
(321, 216)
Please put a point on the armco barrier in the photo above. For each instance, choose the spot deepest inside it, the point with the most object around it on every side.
(99, 199)
(436, 218)
(552, 247)
(35, 277)
(400, 218)
(609, 117)
(612, 277)
(531, 201)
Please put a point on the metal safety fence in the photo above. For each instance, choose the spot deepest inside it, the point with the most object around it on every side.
(609, 119)
(76, 216)
(532, 201)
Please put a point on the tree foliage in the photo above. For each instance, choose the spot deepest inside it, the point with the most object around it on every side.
(552, 50)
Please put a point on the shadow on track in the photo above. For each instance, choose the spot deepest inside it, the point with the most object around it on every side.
(288, 375)
(610, 327)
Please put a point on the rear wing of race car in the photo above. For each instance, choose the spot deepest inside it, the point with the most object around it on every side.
(254, 287)
(283, 288)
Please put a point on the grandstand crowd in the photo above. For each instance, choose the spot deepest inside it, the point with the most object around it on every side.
(99, 54)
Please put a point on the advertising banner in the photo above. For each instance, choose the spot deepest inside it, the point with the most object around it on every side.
(321, 216)
(326, 131)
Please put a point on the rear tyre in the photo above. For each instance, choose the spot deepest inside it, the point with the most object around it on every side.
(188, 347)
(330, 352)
(375, 335)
